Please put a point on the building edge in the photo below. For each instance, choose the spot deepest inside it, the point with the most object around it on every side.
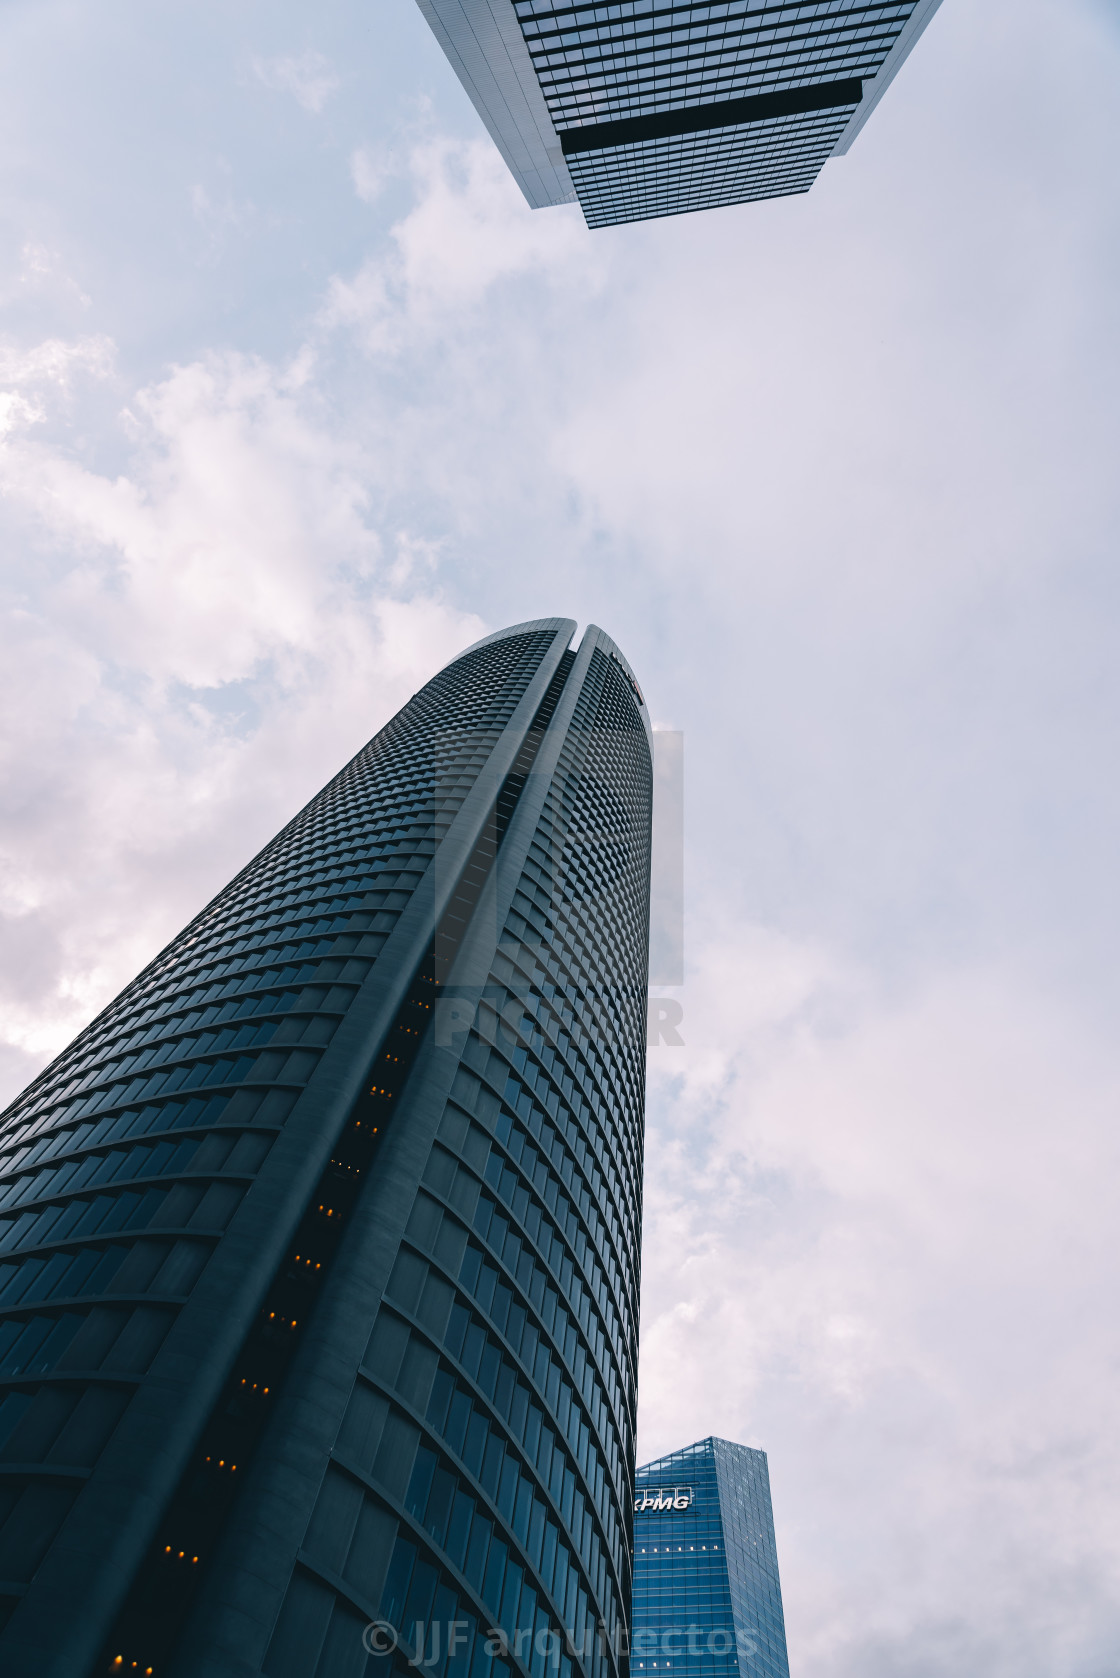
(487, 52)
(874, 89)
(202, 1347)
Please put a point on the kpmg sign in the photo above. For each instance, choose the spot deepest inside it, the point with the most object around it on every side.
(663, 1498)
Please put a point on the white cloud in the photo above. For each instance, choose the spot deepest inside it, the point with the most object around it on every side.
(224, 607)
(307, 76)
(370, 171)
(40, 274)
(28, 372)
(213, 633)
(878, 1243)
(54, 361)
(467, 234)
(838, 472)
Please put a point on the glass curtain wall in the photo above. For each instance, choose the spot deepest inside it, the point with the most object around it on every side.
(319, 1247)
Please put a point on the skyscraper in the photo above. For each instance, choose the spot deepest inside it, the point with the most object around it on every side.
(319, 1247)
(707, 1599)
(649, 108)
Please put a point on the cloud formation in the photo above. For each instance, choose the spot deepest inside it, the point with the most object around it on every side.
(159, 659)
(307, 76)
(837, 472)
(879, 1244)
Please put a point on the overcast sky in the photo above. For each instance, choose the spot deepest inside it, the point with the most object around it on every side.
(297, 399)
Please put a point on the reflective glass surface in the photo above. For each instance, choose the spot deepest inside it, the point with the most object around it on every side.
(421, 1411)
(600, 64)
(496, 1399)
(707, 1598)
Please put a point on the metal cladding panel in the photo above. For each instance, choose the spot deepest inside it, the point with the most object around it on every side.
(707, 1597)
(904, 44)
(487, 51)
(411, 1330)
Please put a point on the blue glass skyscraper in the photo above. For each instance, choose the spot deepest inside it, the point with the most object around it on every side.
(644, 108)
(707, 1598)
(319, 1247)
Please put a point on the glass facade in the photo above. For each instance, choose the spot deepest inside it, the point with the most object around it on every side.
(319, 1247)
(651, 108)
(707, 1598)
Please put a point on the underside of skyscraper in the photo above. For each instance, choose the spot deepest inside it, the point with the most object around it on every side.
(647, 108)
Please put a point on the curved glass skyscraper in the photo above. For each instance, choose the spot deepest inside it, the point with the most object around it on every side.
(319, 1247)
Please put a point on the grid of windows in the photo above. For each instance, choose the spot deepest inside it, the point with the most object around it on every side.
(737, 164)
(707, 1598)
(495, 1399)
(463, 1427)
(605, 64)
(600, 61)
(124, 1163)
